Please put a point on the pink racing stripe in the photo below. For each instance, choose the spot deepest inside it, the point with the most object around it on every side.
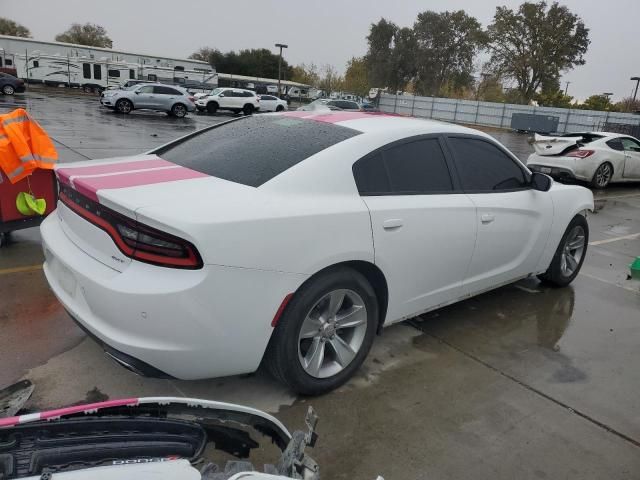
(12, 421)
(89, 186)
(65, 173)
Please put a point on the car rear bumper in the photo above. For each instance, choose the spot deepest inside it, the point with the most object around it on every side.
(160, 321)
(20, 88)
(558, 173)
(561, 167)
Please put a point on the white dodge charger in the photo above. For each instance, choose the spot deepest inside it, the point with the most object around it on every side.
(292, 239)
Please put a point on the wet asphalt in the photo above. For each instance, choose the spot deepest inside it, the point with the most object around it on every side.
(522, 382)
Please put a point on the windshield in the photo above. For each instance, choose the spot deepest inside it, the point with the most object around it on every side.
(253, 150)
(216, 91)
(132, 87)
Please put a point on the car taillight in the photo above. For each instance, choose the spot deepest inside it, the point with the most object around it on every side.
(134, 239)
(580, 153)
(192, 99)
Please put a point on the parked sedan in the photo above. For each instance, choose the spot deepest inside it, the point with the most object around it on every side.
(149, 96)
(599, 158)
(10, 84)
(252, 241)
(271, 103)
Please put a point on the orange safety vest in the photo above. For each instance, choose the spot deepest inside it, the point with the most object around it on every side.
(24, 146)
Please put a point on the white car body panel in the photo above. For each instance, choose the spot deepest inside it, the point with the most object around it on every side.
(269, 103)
(259, 245)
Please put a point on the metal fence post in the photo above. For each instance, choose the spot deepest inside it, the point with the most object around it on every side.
(395, 104)
(455, 111)
(504, 111)
(566, 122)
(431, 109)
(606, 121)
(413, 104)
(477, 110)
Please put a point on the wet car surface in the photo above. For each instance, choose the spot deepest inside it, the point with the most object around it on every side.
(526, 381)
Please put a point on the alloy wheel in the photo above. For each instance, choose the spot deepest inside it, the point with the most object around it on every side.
(332, 333)
(603, 175)
(8, 90)
(179, 111)
(572, 251)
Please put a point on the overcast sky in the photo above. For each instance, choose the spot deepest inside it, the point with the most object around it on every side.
(327, 31)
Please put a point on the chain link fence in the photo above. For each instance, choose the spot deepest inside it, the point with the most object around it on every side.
(499, 115)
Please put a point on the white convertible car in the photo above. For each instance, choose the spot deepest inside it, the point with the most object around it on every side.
(291, 240)
(599, 158)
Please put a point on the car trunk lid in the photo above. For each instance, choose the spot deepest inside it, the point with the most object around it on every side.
(93, 193)
(548, 146)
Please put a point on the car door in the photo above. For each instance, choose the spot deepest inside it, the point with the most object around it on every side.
(512, 219)
(632, 158)
(164, 97)
(144, 97)
(267, 103)
(423, 226)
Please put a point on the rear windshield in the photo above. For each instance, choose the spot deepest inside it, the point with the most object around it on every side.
(256, 149)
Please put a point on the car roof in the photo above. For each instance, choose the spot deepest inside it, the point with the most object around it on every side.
(372, 122)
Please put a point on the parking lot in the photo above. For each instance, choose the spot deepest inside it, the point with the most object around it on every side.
(522, 382)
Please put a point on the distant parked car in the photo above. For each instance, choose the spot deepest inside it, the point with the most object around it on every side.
(235, 99)
(10, 84)
(596, 157)
(332, 105)
(369, 107)
(270, 103)
(149, 96)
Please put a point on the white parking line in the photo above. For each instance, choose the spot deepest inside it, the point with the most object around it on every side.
(615, 239)
(630, 289)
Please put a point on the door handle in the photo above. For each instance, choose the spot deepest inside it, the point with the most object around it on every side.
(392, 224)
(487, 218)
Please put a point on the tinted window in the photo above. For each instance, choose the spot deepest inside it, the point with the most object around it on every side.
(256, 149)
(267, 97)
(97, 72)
(408, 168)
(36, 64)
(165, 90)
(615, 144)
(86, 70)
(484, 167)
(114, 73)
(152, 77)
(630, 145)
(247, 94)
(178, 69)
(146, 89)
(132, 73)
(8, 61)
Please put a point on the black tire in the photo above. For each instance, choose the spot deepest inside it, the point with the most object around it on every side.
(212, 107)
(602, 176)
(554, 274)
(124, 106)
(8, 90)
(279, 108)
(179, 110)
(282, 359)
(248, 109)
(236, 111)
(87, 89)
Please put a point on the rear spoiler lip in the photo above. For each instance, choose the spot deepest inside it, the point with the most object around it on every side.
(553, 146)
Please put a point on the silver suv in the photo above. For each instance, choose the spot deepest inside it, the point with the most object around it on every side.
(235, 99)
(150, 96)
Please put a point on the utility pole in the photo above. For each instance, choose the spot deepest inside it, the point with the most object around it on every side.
(280, 46)
(635, 93)
(566, 88)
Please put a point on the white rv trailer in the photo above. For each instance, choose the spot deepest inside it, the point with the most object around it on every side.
(61, 63)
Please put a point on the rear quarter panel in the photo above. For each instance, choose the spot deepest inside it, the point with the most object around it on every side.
(568, 201)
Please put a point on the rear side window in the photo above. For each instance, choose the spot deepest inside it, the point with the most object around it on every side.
(615, 144)
(253, 150)
(165, 91)
(417, 167)
(97, 72)
(86, 70)
(483, 167)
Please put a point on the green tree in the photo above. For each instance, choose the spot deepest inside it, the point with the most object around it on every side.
(307, 74)
(628, 104)
(256, 62)
(490, 89)
(378, 58)
(447, 43)
(598, 102)
(87, 34)
(356, 79)
(330, 80)
(9, 27)
(551, 95)
(536, 43)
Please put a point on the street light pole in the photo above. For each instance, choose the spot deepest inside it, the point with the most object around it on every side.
(635, 93)
(566, 88)
(280, 46)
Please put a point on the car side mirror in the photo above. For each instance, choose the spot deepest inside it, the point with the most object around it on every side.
(540, 182)
(221, 95)
(137, 92)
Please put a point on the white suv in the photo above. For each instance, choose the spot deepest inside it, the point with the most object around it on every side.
(235, 99)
